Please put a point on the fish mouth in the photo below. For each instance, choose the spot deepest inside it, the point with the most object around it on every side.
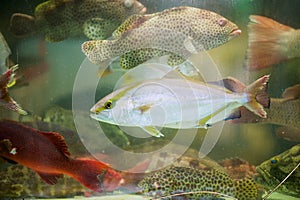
(143, 10)
(235, 32)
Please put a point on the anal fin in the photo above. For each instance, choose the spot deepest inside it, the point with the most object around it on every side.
(152, 131)
(49, 178)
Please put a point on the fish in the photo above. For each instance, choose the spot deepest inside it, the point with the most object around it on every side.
(6, 101)
(47, 154)
(58, 20)
(18, 181)
(272, 171)
(190, 183)
(176, 32)
(284, 112)
(270, 42)
(4, 53)
(175, 102)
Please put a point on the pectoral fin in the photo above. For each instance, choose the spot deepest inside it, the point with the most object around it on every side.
(152, 131)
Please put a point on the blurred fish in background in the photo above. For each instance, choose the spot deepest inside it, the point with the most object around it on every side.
(270, 42)
(283, 111)
(57, 20)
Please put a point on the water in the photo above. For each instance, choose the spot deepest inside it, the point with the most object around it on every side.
(56, 73)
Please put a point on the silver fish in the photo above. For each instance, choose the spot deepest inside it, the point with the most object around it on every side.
(175, 102)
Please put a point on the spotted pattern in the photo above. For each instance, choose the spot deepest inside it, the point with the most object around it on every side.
(18, 181)
(176, 180)
(97, 19)
(274, 170)
(179, 30)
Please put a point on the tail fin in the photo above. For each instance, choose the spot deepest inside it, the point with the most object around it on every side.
(95, 175)
(97, 51)
(22, 25)
(267, 42)
(258, 98)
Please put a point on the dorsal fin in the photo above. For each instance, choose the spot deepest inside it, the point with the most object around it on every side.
(231, 84)
(131, 22)
(292, 92)
(58, 140)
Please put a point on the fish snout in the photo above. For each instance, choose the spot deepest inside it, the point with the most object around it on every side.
(235, 32)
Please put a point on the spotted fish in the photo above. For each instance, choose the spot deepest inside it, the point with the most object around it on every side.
(19, 181)
(272, 171)
(202, 183)
(176, 32)
(283, 111)
(60, 19)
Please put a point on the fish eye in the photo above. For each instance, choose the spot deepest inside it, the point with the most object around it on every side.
(222, 22)
(275, 161)
(128, 3)
(108, 104)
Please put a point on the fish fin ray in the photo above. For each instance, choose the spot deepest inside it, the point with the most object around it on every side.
(49, 178)
(152, 131)
(257, 96)
(231, 84)
(58, 140)
(267, 42)
(130, 23)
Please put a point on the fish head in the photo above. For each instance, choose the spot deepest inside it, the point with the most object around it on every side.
(134, 7)
(218, 30)
(112, 108)
(272, 171)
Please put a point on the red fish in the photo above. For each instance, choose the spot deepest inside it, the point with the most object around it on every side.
(5, 100)
(270, 42)
(47, 154)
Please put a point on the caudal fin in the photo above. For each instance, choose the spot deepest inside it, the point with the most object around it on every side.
(267, 42)
(22, 25)
(97, 51)
(95, 175)
(258, 97)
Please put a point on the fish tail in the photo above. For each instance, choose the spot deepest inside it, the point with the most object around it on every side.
(92, 174)
(97, 51)
(258, 97)
(22, 25)
(268, 42)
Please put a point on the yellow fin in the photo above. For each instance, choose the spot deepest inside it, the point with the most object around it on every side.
(152, 131)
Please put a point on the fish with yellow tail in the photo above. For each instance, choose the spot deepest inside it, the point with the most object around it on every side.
(47, 154)
(6, 81)
(175, 102)
(283, 111)
(176, 32)
(270, 42)
(60, 19)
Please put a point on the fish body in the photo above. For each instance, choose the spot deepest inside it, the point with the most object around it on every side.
(177, 180)
(7, 80)
(176, 32)
(272, 171)
(60, 19)
(175, 103)
(4, 53)
(47, 154)
(270, 42)
(18, 181)
(283, 111)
